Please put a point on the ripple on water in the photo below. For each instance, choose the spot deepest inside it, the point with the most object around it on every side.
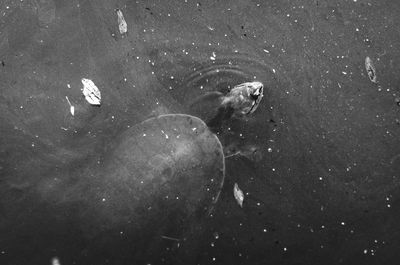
(190, 76)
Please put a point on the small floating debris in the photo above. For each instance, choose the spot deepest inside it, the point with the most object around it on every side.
(238, 194)
(369, 66)
(55, 261)
(213, 56)
(91, 92)
(170, 238)
(71, 107)
(122, 25)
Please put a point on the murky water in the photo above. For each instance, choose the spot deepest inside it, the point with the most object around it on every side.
(316, 161)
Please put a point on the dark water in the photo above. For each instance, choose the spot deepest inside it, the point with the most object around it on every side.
(324, 191)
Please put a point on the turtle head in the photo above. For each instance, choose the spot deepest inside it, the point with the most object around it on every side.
(244, 98)
(255, 92)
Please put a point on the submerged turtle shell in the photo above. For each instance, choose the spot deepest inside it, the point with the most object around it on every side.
(164, 170)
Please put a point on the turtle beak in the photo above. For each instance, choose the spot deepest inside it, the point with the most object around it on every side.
(256, 90)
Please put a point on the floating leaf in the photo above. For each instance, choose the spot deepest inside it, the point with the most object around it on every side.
(91, 92)
(369, 66)
(238, 194)
(122, 25)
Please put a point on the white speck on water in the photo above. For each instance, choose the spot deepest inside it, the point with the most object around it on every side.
(166, 136)
(213, 56)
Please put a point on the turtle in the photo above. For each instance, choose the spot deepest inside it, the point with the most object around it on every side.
(161, 177)
(171, 162)
(178, 157)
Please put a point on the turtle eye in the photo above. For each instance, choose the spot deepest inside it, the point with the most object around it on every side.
(254, 96)
(256, 93)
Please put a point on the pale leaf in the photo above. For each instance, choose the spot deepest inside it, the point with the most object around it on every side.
(369, 66)
(238, 194)
(91, 92)
(122, 25)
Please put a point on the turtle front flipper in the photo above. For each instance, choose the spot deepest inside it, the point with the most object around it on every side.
(249, 151)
